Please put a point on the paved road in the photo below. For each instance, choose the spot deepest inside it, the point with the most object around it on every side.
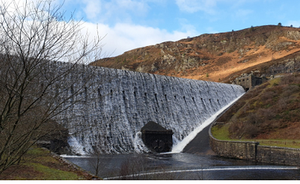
(200, 144)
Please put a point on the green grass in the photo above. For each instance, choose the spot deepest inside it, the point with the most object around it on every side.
(280, 143)
(39, 164)
(49, 173)
(222, 133)
(34, 151)
(273, 82)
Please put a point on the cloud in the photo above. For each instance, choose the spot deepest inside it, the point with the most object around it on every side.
(124, 37)
(92, 8)
(112, 11)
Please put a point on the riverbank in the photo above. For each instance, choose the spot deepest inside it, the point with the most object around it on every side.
(41, 164)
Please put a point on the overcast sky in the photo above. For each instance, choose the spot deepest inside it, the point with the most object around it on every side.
(129, 24)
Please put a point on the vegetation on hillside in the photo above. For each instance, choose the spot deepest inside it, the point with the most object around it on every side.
(219, 57)
(269, 111)
(40, 164)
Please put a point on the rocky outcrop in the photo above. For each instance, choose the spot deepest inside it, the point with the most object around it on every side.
(285, 65)
(206, 56)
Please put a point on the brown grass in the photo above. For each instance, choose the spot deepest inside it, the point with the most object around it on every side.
(221, 61)
(271, 110)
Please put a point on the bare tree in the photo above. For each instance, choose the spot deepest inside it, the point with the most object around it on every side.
(96, 159)
(34, 87)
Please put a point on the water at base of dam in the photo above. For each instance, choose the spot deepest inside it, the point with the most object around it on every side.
(182, 166)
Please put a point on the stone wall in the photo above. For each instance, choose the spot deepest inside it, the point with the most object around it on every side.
(254, 152)
(278, 155)
(249, 81)
(233, 149)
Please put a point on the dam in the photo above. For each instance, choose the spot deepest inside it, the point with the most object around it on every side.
(116, 104)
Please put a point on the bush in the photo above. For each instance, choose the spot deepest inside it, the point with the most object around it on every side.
(266, 108)
(263, 115)
(290, 90)
(287, 79)
(251, 131)
(235, 129)
(231, 112)
(269, 93)
(281, 104)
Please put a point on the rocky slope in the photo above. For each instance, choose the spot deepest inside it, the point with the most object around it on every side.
(264, 50)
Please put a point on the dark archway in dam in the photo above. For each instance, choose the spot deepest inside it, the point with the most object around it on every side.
(156, 137)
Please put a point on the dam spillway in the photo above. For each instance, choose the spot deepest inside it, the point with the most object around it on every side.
(118, 103)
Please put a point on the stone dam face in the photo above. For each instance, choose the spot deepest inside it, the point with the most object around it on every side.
(117, 104)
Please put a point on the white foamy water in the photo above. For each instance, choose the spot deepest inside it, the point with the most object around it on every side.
(116, 104)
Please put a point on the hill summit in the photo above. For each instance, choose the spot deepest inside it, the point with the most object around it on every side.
(221, 57)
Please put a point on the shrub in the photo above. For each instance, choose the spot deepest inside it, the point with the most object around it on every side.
(253, 119)
(235, 129)
(281, 104)
(251, 131)
(268, 94)
(290, 90)
(264, 115)
(231, 112)
(287, 79)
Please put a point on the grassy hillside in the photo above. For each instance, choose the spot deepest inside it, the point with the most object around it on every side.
(219, 57)
(40, 164)
(269, 111)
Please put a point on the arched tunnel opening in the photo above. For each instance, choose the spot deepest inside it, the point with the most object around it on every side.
(157, 138)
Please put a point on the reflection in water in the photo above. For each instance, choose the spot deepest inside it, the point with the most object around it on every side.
(182, 166)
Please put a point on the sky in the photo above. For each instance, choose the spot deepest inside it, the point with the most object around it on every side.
(129, 24)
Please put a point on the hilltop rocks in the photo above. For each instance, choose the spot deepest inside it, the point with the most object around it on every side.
(169, 59)
(200, 55)
(286, 66)
(294, 35)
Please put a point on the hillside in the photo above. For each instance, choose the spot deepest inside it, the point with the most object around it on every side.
(221, 57)
(269, 111)
(40, 164)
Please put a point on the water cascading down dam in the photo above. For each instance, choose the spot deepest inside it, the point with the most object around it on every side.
(119, 103)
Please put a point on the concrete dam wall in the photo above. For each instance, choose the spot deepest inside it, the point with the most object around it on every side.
(117, 104)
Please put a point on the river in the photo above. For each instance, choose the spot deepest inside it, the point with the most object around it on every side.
(182, 166)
